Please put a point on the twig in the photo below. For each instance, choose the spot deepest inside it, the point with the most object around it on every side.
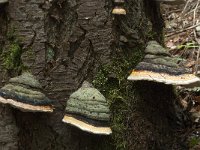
(197, 61)
(186, 6)
(172, 11)
(191, 11)
(182, 30)
(195, 36)
(195, 11)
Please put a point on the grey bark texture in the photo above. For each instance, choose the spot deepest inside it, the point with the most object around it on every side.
(63, 43)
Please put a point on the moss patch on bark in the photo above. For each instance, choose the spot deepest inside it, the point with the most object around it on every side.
(11, 53)
(112, 81)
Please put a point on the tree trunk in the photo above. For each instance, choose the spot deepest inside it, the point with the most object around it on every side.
(63, 43)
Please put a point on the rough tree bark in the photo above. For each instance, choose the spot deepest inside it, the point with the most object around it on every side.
(63, 43)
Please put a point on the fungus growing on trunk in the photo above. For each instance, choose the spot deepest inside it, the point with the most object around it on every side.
(3, 1)
(159, 66)
(119, 9)
(24, 92)
(88, 110)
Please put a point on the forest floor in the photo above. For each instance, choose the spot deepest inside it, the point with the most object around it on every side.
(182, 38)
(182, 32)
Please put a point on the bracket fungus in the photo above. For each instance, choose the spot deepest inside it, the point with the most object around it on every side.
(119, 9)
(88, 110)
(3, 1)
(24, 92)
(159, 66)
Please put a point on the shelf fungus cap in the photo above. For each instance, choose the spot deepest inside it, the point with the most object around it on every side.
(24, 92)
(119, 1)
(88, 110)
(3, 1)
(159, 66)
(118, 10)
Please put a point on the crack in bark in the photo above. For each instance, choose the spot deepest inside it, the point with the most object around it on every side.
(74, 46)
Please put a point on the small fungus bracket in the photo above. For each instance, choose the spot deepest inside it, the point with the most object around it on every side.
(119, 7)
(24, 92)
(3, 2)
(88, 110)
(159, 66)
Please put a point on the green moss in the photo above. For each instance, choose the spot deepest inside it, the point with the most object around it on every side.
(111, 80)
(194, 141)
(11, 34)
(12, 56)
(151, 35)
(12, 53)
(30, 53)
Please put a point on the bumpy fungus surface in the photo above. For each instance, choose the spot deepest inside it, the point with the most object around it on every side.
(119, 1)
(3, 1)
(159, 66)
(88, 110)
(24, 92)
